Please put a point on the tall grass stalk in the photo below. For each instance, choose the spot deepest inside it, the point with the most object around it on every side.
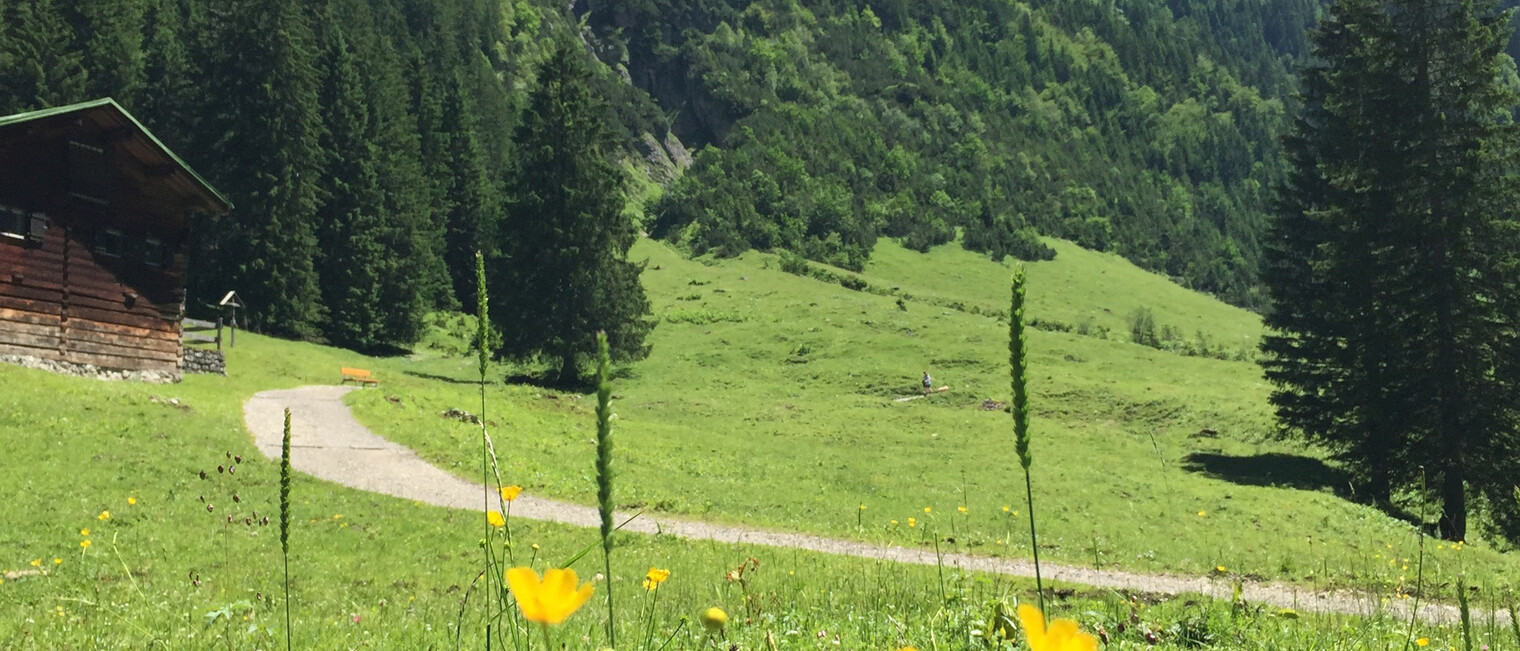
(285, 519)
(604, 467)
(483, 327)
(1419, 575)
(1018, 362)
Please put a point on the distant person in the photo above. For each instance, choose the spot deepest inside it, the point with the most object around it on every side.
(928, 383)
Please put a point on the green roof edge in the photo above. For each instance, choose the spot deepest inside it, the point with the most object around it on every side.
(107, 101)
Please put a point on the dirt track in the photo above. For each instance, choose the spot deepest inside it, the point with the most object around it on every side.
(328, 443)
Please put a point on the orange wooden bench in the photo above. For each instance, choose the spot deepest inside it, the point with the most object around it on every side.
(358, 375)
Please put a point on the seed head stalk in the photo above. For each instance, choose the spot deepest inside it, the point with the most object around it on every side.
(285, 519)
(1018, 361)
(604, 466)
(483, 334)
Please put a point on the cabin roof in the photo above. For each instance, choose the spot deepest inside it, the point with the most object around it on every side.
(138, 143)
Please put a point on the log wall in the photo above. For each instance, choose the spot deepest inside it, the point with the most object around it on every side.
(60, 300)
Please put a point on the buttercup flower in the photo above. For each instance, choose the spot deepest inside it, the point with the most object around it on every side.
(84, 532)
(912, 522)
(1424, 641)
(132, 500)
(84, 544)
(550, 600)
(1061, 635)
(510, 493)
(104, 515)
(494, 517)
(655, 577)
(713, 619)
(962, 509)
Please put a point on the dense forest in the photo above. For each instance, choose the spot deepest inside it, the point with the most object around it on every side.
(368, 144)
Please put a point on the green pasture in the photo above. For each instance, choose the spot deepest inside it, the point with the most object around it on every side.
(769, 399)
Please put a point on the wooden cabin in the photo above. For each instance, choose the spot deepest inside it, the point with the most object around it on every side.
(94, 215)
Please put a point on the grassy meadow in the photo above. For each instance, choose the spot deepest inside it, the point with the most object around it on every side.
(768, 400)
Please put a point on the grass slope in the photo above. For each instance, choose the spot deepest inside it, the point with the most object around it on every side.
(161, 572)
(769, 400)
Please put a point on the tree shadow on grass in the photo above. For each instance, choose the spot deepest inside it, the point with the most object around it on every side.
(1271, 469)
(1290, 471)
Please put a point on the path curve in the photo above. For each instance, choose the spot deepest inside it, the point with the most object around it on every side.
(328, 443)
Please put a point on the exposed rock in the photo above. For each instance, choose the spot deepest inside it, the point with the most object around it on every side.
(461, 416)
(677, 151)
(661, 168)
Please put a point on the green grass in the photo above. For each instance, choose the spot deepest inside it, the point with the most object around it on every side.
(768, 401)
(377, 572)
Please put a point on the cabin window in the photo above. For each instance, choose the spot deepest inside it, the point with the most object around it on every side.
(89, 173)
(153, 252)
(16, 224)
(109, 243)
(13, 223)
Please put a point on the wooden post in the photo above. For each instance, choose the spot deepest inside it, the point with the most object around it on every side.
(218, 334)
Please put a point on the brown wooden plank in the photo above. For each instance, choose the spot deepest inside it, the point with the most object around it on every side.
(96, 347)
(121, 362)
(24, 316)
(42, 307)
(12, 290)
(8, 336)
(140, 307)
(129, 331)
(30, 351)
(35, 329)
(75, 337)
(121, 318)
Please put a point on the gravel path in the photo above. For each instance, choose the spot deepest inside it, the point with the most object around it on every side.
(328, 443)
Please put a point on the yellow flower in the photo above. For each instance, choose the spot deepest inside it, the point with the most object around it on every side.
(1202, 513)
(337, 516)
(84, 544)
(1219, 568)
(104, 515)
(494, 517)
(510, 493)
(37, 563)
(1424, 641)
(862, 507)
(894, 523)
(927, 509)
(1062, 635)
(654, 577)
(57, 561)
(1005, 509)
(912, 522)
(908, 648)
(84, 532)
(713, 619)
(962, 509)
(551, 600)
(132, 500)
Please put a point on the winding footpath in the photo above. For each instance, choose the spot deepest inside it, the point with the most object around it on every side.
(328, 443)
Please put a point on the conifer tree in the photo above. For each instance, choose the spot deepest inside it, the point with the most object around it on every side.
(167, 103)
(44, 68)
(1394, 330)
(258, 62)
(562, 271)
(352, 259)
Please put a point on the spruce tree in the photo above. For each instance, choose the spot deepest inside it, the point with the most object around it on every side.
(1394, 328)
(352, 258)
(562, 273)
(258, 62)
(45, 69)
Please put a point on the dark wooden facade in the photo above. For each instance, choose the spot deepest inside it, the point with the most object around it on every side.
(94, 215)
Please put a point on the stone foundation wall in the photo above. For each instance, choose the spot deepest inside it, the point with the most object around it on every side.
(201, 360)
(89, 370)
